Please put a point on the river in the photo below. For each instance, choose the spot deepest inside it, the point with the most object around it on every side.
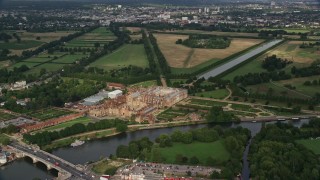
(96, 149)
(238, 60)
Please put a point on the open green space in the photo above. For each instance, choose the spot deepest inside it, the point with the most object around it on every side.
(48, 113)
(37, 59)
(207, 102)
(5, 116)
(275, 89)
(202, 151)
(145, 84)
(109, 166)
(82, 120)
(217, 94)
(193, 69)
(290, 50)
(243, 107)
(70, 58)
(169, 114)
(24, 44)
(289, 30)
(126, 55)
(19, 64)
(312, 144)
(4, 140)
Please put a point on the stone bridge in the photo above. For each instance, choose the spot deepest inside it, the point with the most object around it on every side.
(66, 170)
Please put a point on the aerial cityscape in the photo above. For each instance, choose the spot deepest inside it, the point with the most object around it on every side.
(159, 89)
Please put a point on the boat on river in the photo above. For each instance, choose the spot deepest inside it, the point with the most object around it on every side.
(77, 143)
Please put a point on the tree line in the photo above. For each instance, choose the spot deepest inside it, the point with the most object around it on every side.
(235, 140)
(275, 153)
(46, 137)
(165, 68)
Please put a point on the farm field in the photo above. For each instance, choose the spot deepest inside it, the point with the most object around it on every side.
(126, 55)
(70, 58)
(202, 151)
(312, 144)
(49, 113)
(179, 56)
(217, 94)
(289, 50)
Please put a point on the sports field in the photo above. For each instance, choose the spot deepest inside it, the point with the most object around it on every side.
(129, 54)
(179, 56)
(312, 144)
(202, 151)
(289, 50)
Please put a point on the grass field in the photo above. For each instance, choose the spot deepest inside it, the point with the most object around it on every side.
(289, 30)
(126, 55)
(70, 58)
(312, 144)
(202, 151)
(100, 35)
(289, 50)
(179, 56)
(103, 166)
(277, 90)
(37, 59)
(49, 113)
(19, 64)
(24, 44)
(169, 114)
(83, 120)
(218, 33)
(5, 116)
(145, 84)
(206, 102)
(217, 94)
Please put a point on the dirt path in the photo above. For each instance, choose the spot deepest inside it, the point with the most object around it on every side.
(163, 82)
(230, 93)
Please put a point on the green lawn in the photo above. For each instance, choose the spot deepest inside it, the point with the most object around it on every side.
(19, 64)
(83, 120)
(312, 144)
(145, 84)
(70, 58)
(126, 55)
(47, 66)
(48, 113)
(25, 44)
(217, 94)
(193, 69)
(207, 102)
(202, 151)
(6, 116)
(37, 59)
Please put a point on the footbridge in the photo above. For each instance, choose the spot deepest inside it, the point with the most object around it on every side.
(66, 170)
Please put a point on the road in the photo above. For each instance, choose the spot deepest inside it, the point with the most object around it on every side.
(76, 174)
(238, 60)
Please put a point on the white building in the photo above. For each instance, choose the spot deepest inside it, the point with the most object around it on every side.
(19, 84)
(114, 94)
(3, 158)
(184, 18)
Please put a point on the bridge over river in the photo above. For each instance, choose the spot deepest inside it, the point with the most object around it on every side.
(66, 169)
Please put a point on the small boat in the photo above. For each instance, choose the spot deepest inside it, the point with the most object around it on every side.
(77, 143)
(281, 119)
(254, 121)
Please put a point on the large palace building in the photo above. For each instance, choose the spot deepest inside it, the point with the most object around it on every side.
(140, 103)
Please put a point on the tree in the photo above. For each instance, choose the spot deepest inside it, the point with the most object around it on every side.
(121, 127)
(194, 160)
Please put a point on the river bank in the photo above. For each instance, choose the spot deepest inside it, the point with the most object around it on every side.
(88, 136)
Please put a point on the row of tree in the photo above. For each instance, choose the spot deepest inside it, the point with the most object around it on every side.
(165, 68)
(46, 137)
